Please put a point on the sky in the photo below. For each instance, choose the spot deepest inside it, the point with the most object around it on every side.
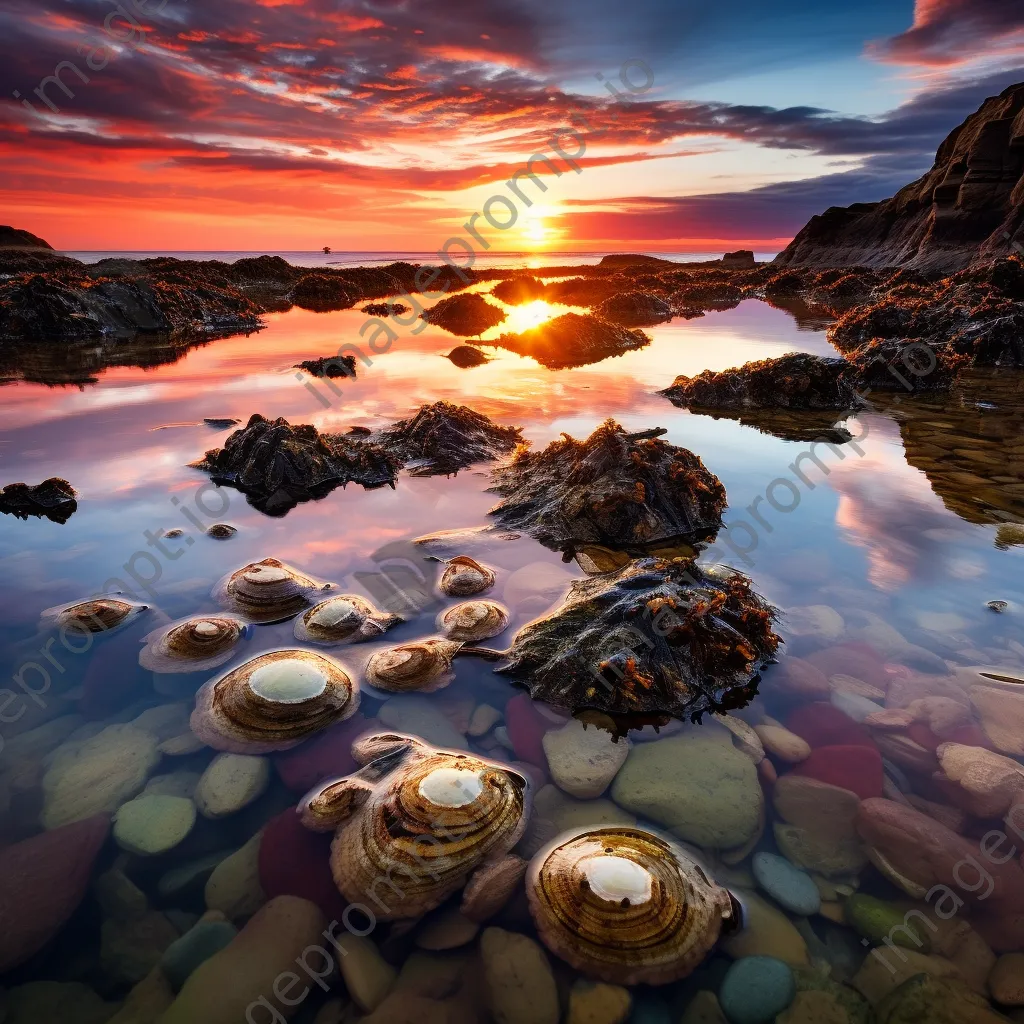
(391, 124)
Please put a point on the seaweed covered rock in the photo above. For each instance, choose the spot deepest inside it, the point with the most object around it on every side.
(582, 291)
(573, 339)
(329, 366)
(907, 366)
(322, 292)
(465, 356)
(384, 309)
(519, 289)
(615, 488)
(656, 638)
(444, 438)
(53, 499)
(277, 465)
(469, 314)
(635, 309)
(795, 381)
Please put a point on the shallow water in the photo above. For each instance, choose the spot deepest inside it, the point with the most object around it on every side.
(899, 536)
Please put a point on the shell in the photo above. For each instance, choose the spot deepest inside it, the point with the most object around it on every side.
(96, 615)
(345, 619)
(192, 645)
(464, 576)
(273, 702)
(473, 620)
(420, 666)
(415, 823)
(625, 906)
(268, 591)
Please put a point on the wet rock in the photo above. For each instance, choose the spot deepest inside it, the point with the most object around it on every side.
(796, 678)
(322, 292)
(701, 789)
(384, 309)
(491, 886)
(173, 784)
(756, 989)
(526, 727)
(483, 719)
(519, 984)
(988, 784)
(823, 725)
(45, 878)
(446, 928)
(826, 810)
(593, 1002)
(329, 366)
(573, 339)
(1002, 718)
(67, 1002)
(817, 622)
(230, 782)
(823, 854)
(790, 887)
(419, 716)
(185, 880)
(53, 499)
(856, 768)
(468, 314)
(465, 356)
(367, 975)
(877, 920)
(129, 950)
(852, 659)
(634, 309)
(234, 887)
(583, 761)
(783, 744)
(766, 931)
(555, 812)
(519, 289)
(1006, 982)
(151, 825)
(938, 1001)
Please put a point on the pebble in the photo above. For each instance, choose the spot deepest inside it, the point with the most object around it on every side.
(230, 782)
(483, 720)
(855, 705)
(791, 888)
(988, 784)
(583, 760)
(234, 886)
(756, 989)
(1006, 982)
(823, 854)
(368, 976)
(783, 744)
(180, 882)
(193, 948)
(1002, 718)
(416, 714)
(555, 812)
(446, 928)
(175, 784)
(796, 678)
(877, 920)
(815, 621)
(744, 737)
(518, 981)
(150, 825)
(491, 886)
(596, 1002)
(856, 768)
(880, 975)
(129, 950)
(766, 931)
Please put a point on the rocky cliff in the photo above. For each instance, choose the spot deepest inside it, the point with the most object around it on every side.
(16, 238)
(969, 206)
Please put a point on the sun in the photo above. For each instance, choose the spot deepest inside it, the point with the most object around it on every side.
(536, 230)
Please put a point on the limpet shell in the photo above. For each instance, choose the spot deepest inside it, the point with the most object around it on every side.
(192, 645)
(464, 576)
(625, 906)
(473, 620)
(96, 615)
(269, 591)
(273, 702)
(417, 667)
(345, 619)
(426, 818)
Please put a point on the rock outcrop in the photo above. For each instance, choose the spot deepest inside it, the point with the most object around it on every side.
(573, 340)
(18, 238)
(53, 498)
(969, 206)
(464, 314)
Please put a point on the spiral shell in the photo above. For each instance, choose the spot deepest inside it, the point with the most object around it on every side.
(193, 645)
(97, 615)
(345, 619)
(473, 620)
(273, 702)
(424, 817)
(268, 591)
(626, 906)
(421, 666)
(464, 576)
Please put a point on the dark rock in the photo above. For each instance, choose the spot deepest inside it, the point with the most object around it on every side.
(322, 292)
(615, 488)
(968, 206)
(263, 270)
(465, 356)
(278, 465)
(635, 309)
(656, 638)
(222, 531)
(384, 309)
(573, 340)
(582, 291)
(519, 289)
(329, 366)
(220, 422)
(742, 259)
(18, 238)
(625, 259)
(53, 498)
(464, 314)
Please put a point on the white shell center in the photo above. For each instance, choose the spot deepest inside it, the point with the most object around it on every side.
(617, 879)
(333, 613)
(268, 574)
(451, 787)
(288, 681)
(206, 628)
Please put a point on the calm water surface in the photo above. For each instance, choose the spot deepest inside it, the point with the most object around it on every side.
(899, 543)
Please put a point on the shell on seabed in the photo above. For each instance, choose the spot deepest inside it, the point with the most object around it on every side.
(473, 620)
(420, 666)
(464, 576)
(345, 619)
(425, 817)
(273, 701)
(192, 645)
(269, 591)
(625, 906)
(96, 615)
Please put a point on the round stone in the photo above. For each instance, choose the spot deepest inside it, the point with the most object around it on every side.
(617, 879)
(791, 888)
(153, 824)
(756, 989)
(451, 787)
(288, 681)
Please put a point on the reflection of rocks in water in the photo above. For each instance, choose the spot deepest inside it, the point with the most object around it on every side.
(519, 289)
(970, 444)
(469, 314)
(329, 366)
(465, 356)
(385, 309)
(805, 425)
(53, 499)
(573, 340)
(635, 309)
(1010, 535)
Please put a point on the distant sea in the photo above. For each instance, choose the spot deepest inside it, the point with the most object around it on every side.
(342, 258)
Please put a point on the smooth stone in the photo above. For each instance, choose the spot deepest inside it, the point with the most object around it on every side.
(36, 743)
(257, 965)
(230, 782)
(856, 768)
(744, 737)
(989, 783)
(791, 888)
(756, 989)
(878, 920)
(822, 854)
(446, 928)
(518, 982)
(823, 725)
(796, 679)
(700, 788)
(1006, 982)
(842, 683)
(491, 886)
(417, 715)
(766, 931)
(368, 976)
(483, 720)
(937, 1001)
(129, 950)
(703, 1008)
(150, 825)
(854, 705)
(583, 760)
(596, 1002)
(119, 897)
(165, 721)
(1002, 718)
(852, 659)
(174, 784)
(97, 775)
(59, 1002)
(181, 746)
(434, 975)
(146, 1001)
(555, 812)
(234, 887)
(193, 948)
(783, 744)
(880, 974)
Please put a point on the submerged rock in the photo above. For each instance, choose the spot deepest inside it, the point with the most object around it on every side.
(53, 499)
(634, 309)
(329, 366)
(464, 314)
(656, 638)
(464, 356)
(573, 339)
(615, 488)
(277, 465)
